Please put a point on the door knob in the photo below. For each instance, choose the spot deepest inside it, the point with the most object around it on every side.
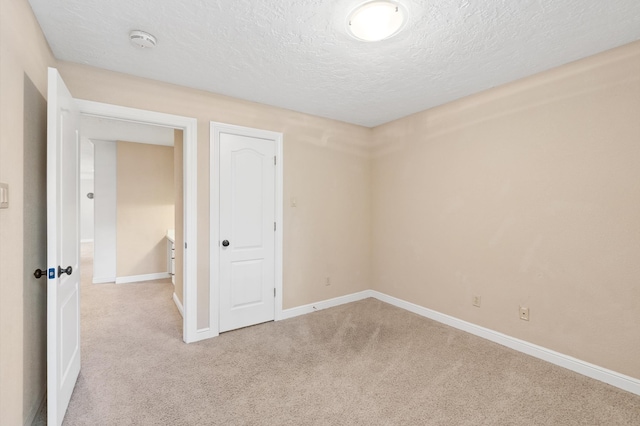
(225, 243)
(68, 270)
(39, 273)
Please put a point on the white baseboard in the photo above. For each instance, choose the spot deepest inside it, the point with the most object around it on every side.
(610, 377)
(178, 304)
(103, 280)
(144, 277)
(330, 303)
(31, 417)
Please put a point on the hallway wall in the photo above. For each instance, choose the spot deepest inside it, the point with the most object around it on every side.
(144, 207)
(104, 212)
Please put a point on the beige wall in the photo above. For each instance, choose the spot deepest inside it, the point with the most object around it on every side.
(326, 166)
(178, 176)
(34, 291)
(528, 194)
(145, 198)
(23, 51)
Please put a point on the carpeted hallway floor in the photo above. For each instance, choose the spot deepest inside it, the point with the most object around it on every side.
(365, 363)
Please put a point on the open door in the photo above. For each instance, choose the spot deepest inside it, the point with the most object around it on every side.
(63, 248)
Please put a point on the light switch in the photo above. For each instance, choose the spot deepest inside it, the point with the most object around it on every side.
(4, 196)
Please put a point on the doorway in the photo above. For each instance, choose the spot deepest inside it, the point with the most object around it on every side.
(131, 199)
(189, 223)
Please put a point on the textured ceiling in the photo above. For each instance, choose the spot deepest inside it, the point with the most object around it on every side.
(296, 54)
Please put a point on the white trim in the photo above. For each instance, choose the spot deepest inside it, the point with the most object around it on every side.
(214, 208)
(189, 127)
(610, 377)
(103, 280)
(214, 231)
(279, 266)
(89, 240)
(178, 304)
(31, 416)
(140, 278)
(330, 303)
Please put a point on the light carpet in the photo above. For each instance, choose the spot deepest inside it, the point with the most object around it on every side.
(364, 363)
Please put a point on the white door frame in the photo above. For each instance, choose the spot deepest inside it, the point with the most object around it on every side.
(214, 224)
(189, 126)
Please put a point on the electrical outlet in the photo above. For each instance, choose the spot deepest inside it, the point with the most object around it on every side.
(327, 281)
(524, 313)
(476, 301)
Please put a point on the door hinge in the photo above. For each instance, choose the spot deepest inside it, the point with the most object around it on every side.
(274, 226)
(274, 292)
(274, 160)
(185, 245)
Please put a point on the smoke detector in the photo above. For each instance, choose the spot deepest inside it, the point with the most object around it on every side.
(142, 39)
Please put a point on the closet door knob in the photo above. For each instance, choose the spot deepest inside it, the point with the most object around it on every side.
(39, 273)
(225, 243)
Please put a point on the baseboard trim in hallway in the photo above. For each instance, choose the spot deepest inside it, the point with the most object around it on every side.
(144, 277)
(178, 304)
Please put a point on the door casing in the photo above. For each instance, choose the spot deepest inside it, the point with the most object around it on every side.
(214, 230)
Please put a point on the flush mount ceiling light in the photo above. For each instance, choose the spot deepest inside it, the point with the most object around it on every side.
(142, 39)
(376, 20)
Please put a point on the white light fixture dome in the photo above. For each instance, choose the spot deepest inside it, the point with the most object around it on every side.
(377, 20)
(142, 39)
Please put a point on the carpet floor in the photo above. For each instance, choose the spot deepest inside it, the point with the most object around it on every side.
(364, 363)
